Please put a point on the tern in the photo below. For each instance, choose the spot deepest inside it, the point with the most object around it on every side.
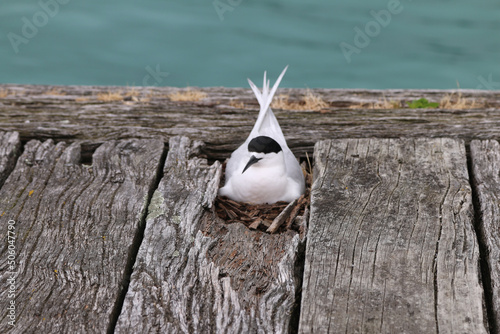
(263, 169)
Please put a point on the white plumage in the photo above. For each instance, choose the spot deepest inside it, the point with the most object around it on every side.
(260, 171)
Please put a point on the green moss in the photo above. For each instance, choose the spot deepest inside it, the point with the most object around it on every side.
(155, 208)
(422, 103)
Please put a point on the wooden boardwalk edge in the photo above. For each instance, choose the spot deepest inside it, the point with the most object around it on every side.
(224, 116)
(391, 247)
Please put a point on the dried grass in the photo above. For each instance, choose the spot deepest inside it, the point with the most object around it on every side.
(133, 95)
(109, 97)
(55, 92)
(187, 95)
(387, 104)
(456, 101)
(132, 92)
(314, 102)
(281, 102)
(237, 104)
(450, 101)
(310, 101)
(384, 104)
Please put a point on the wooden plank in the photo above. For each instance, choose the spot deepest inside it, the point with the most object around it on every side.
(74, 230)
(10, 145)
(391, 246)
(196, 274)
(224, 118)
(485, 157)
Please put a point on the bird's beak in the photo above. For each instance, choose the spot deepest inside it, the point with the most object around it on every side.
(250, 163)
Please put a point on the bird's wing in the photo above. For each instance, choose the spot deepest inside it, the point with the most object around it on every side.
(266, 125)
(266, 121)
(256, 91)
(236, 157)
(293, 169)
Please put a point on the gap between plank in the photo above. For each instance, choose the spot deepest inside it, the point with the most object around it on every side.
(483, 252)
(300, 260)
(293, 327)
(134, 248)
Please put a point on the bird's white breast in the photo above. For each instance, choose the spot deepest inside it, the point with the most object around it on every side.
(258, 185)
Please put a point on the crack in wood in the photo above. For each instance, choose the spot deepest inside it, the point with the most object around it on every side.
(475, 165)
(435, 264)
(67, 261)
(293, 327)
(453, 231)
(10, 150)
(205, 275)
(394, 289)
(134, 247)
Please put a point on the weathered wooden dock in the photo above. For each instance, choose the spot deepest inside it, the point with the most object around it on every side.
(107, 213)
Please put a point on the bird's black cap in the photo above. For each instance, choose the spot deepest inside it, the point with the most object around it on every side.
(264, 144)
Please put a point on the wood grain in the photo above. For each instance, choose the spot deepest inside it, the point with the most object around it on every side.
(391, 246)
(10, 145)
(75, 227)
(72, 113)
(196, 274)
(485, 157)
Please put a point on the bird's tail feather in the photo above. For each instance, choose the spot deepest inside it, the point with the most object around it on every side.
(265, 98)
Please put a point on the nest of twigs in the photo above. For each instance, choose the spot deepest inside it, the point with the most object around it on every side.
(270, 218)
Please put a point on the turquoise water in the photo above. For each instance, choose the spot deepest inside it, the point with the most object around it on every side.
(423, 44)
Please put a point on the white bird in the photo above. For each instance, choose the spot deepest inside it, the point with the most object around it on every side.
(263, 169)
